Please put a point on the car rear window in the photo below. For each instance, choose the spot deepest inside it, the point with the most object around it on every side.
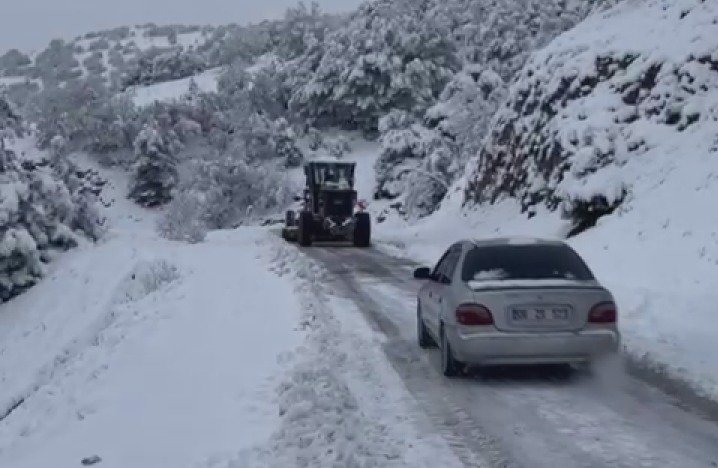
(509, 262)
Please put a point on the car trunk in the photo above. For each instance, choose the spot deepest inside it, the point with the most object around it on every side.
(539, 305)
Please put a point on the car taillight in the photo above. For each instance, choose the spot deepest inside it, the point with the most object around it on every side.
(605, 312)
(473, 314)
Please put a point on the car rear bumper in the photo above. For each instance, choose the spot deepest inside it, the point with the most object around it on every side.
(497, 348)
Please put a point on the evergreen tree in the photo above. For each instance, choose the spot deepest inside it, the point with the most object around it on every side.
(155, 172)
(43, 206)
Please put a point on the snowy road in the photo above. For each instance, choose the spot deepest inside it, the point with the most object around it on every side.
(534, 417)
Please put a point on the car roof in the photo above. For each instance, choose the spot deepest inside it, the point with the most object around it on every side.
(515, 240)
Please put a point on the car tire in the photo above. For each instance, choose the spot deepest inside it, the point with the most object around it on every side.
(304, 231)
(450, 367)
(362, 230)
(425, 340)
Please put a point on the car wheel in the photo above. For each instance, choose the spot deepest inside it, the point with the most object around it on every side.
(450, 367)
(425, 340)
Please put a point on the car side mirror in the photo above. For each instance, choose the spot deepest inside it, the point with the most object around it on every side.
(298, 198)
(422, 273)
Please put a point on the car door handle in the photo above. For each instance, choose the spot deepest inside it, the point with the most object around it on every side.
(439, 299)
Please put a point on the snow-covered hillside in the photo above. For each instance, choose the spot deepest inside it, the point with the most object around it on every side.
(592, 110)
(112, 57)
(612, 116)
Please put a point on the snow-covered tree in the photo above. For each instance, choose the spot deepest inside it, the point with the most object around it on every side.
(13, 62)
(414, 164)
(155, 171)
(493, 40)
(256, 115)
(57, 63)
(285, 144)
(43, 207)
(10, 121)
(389, 56)
(86, 115)
(157, 65)
(301, 30)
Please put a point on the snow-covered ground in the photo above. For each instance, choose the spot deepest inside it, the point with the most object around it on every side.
(172, 90)
(228, 353)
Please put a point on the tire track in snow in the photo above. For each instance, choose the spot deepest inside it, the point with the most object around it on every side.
(468, 440)
(336, 407)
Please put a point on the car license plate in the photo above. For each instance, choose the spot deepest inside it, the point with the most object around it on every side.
(540, 314)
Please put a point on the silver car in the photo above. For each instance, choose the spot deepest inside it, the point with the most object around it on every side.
(514, 301)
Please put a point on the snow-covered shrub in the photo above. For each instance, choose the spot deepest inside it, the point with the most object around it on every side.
(147, 277)
(155, 170)
(184, 218)
(597, 98)
(219, 190)
(285, 144)
(42, 208)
